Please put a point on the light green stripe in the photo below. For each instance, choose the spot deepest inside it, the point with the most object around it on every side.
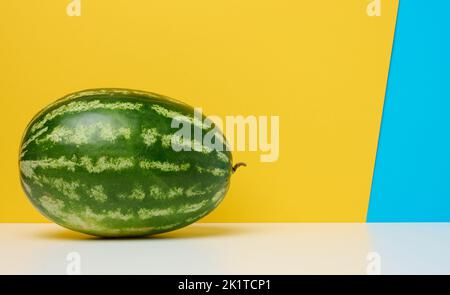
(150, 136)
(212, 171)
(68, 189)
(136, 194)
(179, 116)
(159, 194)
(219, 195)
(83, 134)
(144, 213)
(102, 164)
(192, 207)
(98, 193)
(164, 166)
(31, 139)
(81, 106)
(27, 167)
(149, 213)
(175, 140)
(222, 157)
(168, 226)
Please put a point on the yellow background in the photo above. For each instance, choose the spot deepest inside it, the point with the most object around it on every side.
(320, 65)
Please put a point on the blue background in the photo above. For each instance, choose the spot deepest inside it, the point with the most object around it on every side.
(412, 172)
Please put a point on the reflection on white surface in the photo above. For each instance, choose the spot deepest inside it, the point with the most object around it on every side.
(412, 248)
(232, 248)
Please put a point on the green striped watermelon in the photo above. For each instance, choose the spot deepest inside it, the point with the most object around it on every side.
(102, 162)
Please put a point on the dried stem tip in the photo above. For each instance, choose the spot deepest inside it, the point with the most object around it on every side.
(237, 165)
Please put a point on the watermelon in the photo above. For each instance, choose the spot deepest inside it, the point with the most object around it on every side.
(103, 162)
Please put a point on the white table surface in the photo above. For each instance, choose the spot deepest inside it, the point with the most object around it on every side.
(233, 248)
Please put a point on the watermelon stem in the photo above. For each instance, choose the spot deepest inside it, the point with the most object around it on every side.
(237, 165)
